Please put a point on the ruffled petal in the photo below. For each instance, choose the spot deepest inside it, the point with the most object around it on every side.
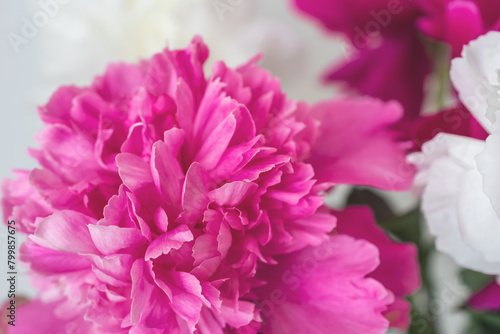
(324, 287)
(66, 231)
(362, 149)
(443, 165)
(475, 77)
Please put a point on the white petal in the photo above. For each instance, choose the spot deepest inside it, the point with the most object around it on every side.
(488, 163)
(475, 76)
(443, 145)
(442, 165)
(478, 221)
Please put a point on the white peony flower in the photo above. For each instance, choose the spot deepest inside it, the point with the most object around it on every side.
(458, 176)
(87, 35)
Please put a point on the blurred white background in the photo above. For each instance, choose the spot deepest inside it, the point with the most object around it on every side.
(20, 79)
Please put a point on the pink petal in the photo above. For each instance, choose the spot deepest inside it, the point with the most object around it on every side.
(487, 299)
(43, 319)
(49, 261)
(113, 239)
(185, 107)
(167, 172)
(134, 171)
(324, 287)
(232, 194)
(119, 82)
(173, 239)
(22, 202)
(184, 292)
(399, 268)
(464, 23)
(113, 269)
(57, 110)
(66, 231)
(194, 191)
(361, 148)
(400, 58)
(216, 143)
(240, 315)
(398, 314)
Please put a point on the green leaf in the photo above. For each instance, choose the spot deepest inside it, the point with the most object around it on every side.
(420, 324)
(474, 280)
(405, 227)
(485, 322)
(475, 328)
(379, 206)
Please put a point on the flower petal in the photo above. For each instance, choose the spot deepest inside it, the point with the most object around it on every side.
(442, 165)
(173, 239)
(320, 288)
(475, 77)
(114, 239)
(66, 231)
(361, 148)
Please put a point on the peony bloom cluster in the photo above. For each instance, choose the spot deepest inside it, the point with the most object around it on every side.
(458, 175)
(168, 202)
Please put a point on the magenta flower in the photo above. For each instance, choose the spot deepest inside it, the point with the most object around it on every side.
(398, 270)
(457, 22)
(387, 45)
(167, 202)
(457, 120)
(486, 299)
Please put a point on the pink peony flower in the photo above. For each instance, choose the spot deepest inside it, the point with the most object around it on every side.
(387, 46)
(168, 202)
